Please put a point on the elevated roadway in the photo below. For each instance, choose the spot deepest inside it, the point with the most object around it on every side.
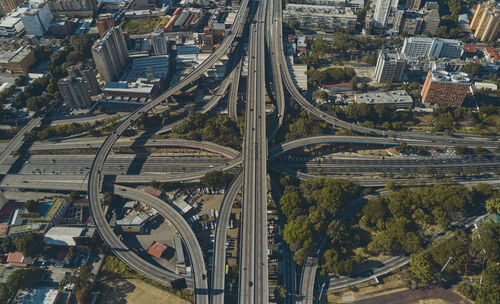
(253, 283)
(95, 175)
(306, 289)
(232, 105)
(218, 269)
(16, 142)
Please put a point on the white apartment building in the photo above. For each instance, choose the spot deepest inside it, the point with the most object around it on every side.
(11, 26)
(381, 15)
(319, 16)
(419, 47)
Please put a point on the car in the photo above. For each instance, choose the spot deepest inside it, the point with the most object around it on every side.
(203, 276)
(250, 284)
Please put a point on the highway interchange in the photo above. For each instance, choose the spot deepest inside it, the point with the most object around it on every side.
(82, 172)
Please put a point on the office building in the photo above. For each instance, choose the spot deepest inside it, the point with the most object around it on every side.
(319, 16)
(110, 54)
(159, 43)
(36, 18)
(390, 67)
(419, 47)
(104, 22)
(445, 87)
(152, 68)
(412, 23)
(74, 92)
(81, 8)
(399, 99)
(431, 21)
(8, 6)
(486, 21)
(138, 89)
(381, 15)
(19, 61)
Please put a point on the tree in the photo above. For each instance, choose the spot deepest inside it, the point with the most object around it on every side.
(489, 291)
(30, 245)
(20, 80)
(84, 296)
(81, 277)
(108, 198)
(421, 268)
(280, 294)
(216, 178)
(23, 278)
(471, 68)
(493, 204)
(32, 206)
(7, 245)
(292, 204)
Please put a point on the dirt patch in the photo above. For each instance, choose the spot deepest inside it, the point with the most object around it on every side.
(133, 291)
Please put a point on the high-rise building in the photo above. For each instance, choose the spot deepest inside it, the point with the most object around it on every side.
(9, 5)
(74, 92)
(390, 67)
(104, 22)
(87, 75)
(431, 22)
(398, 21)
(413, 4)
(110, 54)
(159, 43)
(445, 87)
(37, 18)
(412, 24)
(419, 47)
(382, 10)
(486, 21)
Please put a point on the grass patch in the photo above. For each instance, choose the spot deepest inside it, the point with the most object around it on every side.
(144, 25)
(113, 268)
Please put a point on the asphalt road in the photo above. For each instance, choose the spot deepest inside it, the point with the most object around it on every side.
(95, 176)
(253, 283)
(232, 106)
(17, 141)
(218, 269)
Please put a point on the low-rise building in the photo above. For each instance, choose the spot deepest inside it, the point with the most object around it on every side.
(19, 61)
(11, 26)
(63, 236)
(319, 16)
(399, 99)
(137, 89)
(445, 87)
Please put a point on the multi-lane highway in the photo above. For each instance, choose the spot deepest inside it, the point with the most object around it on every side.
(95, 174)
(218, 269)
(253, 283)
(17, 141)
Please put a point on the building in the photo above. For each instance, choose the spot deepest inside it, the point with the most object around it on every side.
(390, 67)
(104, 22)
(486, 21)
(151, 68)
(320, 16)
(8, 6)
(399, 99)
(17, 259)
(136, 89)
(11, 26)
(179, 251)
(75, 93)
(80, 8)
(431, 21)
(412, 23)
(157, 249)
(445, 87)
(381, 15)
(36, 18)
(63, 236)
(110, 54)
(159, 43)
(19, 61)
(419, 47)
(413, 4)
(88, 76)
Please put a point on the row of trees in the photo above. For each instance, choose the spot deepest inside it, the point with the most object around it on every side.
(30, 244)
(451, 119)
(216, 179)
(200, 126)
(41, 94)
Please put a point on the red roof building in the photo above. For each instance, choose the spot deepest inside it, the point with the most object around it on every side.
(489, 52)
(17, 259)
(157, 249)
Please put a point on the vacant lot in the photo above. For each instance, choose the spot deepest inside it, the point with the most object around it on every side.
(133, 291)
